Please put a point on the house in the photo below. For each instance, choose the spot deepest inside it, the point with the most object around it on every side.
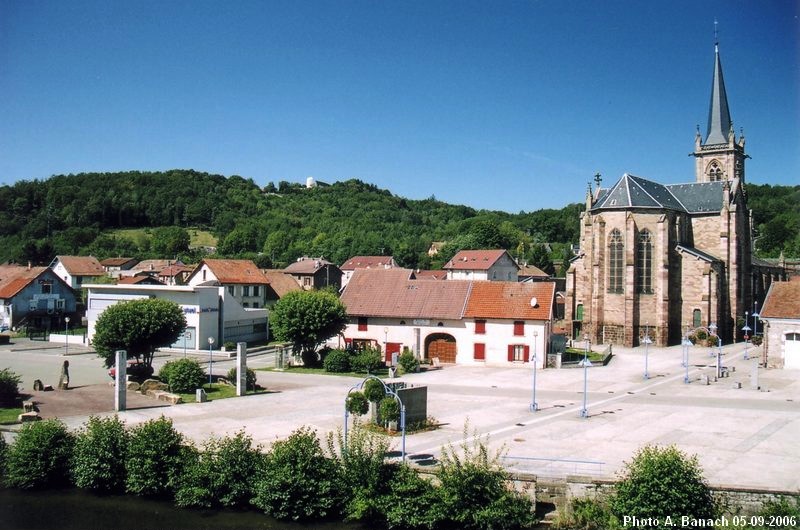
(465, 322)
(175, 274)
(35, 297)
(240, 278)
(113, 266)
(75, 270)
(144, 279)
(657, 259)
(531, 273)
(420, 274)
(280, 283)
(494, 265)
(365, 262)
(781, 318)
(315, 273)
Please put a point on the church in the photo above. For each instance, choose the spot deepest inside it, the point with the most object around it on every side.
(660, 260)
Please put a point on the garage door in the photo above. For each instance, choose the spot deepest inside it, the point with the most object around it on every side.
(444, 349)
(791, 351)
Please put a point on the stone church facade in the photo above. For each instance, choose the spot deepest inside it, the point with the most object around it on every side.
(659, 260)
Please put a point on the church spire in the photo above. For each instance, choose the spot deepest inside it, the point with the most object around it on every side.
(719, 117)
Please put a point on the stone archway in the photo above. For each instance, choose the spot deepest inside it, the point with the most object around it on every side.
(441, 345)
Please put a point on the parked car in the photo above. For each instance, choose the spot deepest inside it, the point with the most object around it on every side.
(136, 370)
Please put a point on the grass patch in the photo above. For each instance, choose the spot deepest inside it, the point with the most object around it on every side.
(321, 371)
(219, 391)
(9, 416)
(576, 354)
(197, 237)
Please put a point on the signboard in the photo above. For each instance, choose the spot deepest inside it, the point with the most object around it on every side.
(421, 322)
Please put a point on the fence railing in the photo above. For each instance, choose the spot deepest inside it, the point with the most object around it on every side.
(552, 467)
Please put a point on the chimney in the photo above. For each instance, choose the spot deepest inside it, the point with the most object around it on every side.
(29, 265)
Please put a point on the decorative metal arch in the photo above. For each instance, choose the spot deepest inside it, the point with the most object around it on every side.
(387, 391)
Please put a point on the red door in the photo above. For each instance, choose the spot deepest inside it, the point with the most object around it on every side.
(392, 347)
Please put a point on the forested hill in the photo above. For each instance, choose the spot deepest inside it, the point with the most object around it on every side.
(77, 214)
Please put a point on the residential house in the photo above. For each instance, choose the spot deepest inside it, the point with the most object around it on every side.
(365, 262)
(531, 273)
(465, 322)
(175, 274)
(494, 265)
(139, 280)
(781, 318)
(241, 279)
(280, 284)
(35, 297)
(315, 273)
(75, 270)
(113, 266)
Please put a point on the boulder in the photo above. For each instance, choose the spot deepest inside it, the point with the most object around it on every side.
(29, 406)
(152, 384)
(133, 385)
(161, 395)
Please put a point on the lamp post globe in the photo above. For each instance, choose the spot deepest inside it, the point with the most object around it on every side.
(534, 406)
(210, 359)
(66, 335)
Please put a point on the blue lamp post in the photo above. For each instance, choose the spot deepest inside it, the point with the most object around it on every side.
(586, 364)
(746, 330)
(534, 406)
(210, 359)
(647, 343)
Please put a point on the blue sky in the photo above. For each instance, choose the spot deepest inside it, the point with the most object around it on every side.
(499, 105)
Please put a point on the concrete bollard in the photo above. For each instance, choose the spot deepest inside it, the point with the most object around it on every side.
(241, 368)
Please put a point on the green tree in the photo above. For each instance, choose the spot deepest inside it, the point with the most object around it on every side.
(138, 327)
(169, 241)
(661, 482)
(307, 319)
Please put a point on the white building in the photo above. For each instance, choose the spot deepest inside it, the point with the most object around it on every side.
(493, 265)
(781, 318)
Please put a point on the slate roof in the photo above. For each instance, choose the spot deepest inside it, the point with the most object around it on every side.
(82, 265)
(390, 293)
(705, 256)
(14, 278)
(511, 300)
(368, 262)
(234, 271)
(783, 301)
(636, 192)
(475, 259)
(280, 282)
(719, 117)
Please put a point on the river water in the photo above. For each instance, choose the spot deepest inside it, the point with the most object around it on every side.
(74, 509)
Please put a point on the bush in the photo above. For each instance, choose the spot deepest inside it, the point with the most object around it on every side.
(183, 376)
(661, 482)
(98, 461)
(585, 514)
(229, 345)
(223, 473)
(363, 471)
(154, 459)
(781, 513)
(357, 404)
(9, 388)
(374, 390)
(756, 340)
(3, 456)
(411, 501)
(251, 378)
(408, 361)
(40, 456)
(298, 482)
(366, 361)
(389, 410)
(337, 361)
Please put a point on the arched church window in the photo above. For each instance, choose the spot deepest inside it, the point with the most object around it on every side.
(616, 252)
(696, 318)
(714, 171)
(579, 312)
(644, 263)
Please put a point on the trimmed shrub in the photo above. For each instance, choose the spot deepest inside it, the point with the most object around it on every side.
(223, 473)
(250, 377)
(229, 346)
(9, 388)
(98, 461)
(408, 361)
(661, 482)
(183, 376)
(298, 482)
(389, 410)
(366, 361)
(337, 361)
(40, 456)
(357, 404)
(154, 459)
(374, 390)
(411, 501)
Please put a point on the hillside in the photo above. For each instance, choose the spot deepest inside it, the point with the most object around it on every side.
(84, 213)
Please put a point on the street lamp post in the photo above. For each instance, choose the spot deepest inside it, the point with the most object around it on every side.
(686, 343)
(756, 316)
(534, 406)
(713, 329)
(210, 359)
(746, 330)
(586, 364)
(66, 335)
(647, 343)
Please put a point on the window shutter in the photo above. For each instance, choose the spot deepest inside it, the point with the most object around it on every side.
(480, 352)
(519, 327)
(510, 353)
(527, 353)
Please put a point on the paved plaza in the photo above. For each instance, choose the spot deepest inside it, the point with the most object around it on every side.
(742, 436)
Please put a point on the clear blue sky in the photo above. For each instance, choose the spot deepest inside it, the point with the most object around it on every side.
(499, 105)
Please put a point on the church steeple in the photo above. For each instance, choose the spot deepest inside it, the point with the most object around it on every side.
(719, 156)
(719, 117)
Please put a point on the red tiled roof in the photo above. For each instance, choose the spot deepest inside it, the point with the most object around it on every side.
(14, 278)
(511, 300)
(82, 265)
(474, 259)
(306, 265)
(530, 270)
(230, 271)
(174, 270)
(280, 282)
(430, 275)
(783, 301)
(368, 262)
(153, 265)
(390, 293)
